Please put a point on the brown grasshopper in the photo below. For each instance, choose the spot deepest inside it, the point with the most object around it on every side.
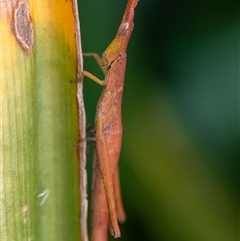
(108, 136)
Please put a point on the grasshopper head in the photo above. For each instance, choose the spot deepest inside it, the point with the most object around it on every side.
(120, 42)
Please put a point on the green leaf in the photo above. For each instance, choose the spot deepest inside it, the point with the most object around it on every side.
(39, 160)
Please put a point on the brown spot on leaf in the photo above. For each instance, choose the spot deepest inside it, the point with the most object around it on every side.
(22, 26)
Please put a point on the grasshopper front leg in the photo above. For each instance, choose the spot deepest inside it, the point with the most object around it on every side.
(94, 78)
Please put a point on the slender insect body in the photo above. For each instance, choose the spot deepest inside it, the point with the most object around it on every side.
(110, 108)
(107, 208)
(108, 125)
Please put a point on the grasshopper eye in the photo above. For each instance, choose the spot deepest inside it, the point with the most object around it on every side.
(123, 29)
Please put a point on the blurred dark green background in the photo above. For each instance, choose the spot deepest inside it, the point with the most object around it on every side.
(180, 157)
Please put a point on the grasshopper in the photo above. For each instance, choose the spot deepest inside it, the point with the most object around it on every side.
(107, 205)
